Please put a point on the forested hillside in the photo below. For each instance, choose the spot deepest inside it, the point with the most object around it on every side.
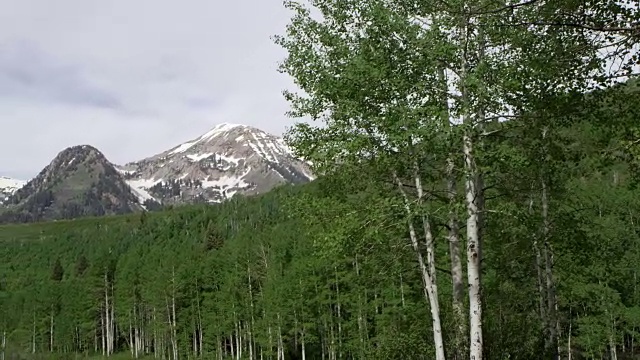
(327, 270)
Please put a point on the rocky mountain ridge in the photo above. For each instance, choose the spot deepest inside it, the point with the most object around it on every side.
(79, 181)
(229, 159)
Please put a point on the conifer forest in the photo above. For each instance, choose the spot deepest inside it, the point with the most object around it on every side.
(477, 197)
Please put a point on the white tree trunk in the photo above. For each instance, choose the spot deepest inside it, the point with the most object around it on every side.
(233, 349)
(270, 339)
(402, 292)
(542, 293)
(457, 272)
(553, 323)
(250, 343)
(155, 334)
(304, 353)
(238, 341)
(569, 351)
(219, 348)
(361, 320)
(174, 330)
(4, 344)
(431, 262)
(455, 253)
(429, 287)
(103, 333)
(200, 330)
(613, 355)
(107, 318)
(131, 340)
(51, 331)
(339, 313)
(112, 332)
(474, 197)
(250, 327)
(280, 341)
(473, 253)
(33, 338)
(137, 331)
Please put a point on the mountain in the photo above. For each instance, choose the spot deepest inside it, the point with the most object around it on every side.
(80, 181)
(227, 160)
(8, 186)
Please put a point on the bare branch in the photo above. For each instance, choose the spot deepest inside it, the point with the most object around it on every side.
(504, 8)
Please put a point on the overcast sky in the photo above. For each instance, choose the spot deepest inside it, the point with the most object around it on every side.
(133, 77)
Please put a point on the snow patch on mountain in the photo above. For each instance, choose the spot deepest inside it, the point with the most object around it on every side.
(8, 186)
(140, 187)
(219, 129)
(198, 157)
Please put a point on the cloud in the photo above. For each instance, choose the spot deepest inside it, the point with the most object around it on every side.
(133, 78)
(28, 73)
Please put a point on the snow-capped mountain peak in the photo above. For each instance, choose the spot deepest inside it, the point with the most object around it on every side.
(216, 131)
(228, 159)
(9, 186)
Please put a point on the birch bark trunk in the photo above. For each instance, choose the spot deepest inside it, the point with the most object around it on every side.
(51, 331)
(280, 342)
(103, 333)
(107, 317)
(200, 330)
(238, 340)
(428, 279)
(233, 349)
(173, 313)
(542, 293)
(251, 325)
(155, 334)
(33, 339)
(131, 341)
(553, 324)
(133, 328)
(304, 352)
(473, 191)
(457, 272)
(473, 255)
(112, 343)
(339, 319)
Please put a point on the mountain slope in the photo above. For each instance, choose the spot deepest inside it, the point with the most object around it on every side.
(229, 159)
(8, 186)
(80, 181)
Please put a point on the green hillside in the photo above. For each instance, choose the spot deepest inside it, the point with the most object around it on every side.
(326, 268)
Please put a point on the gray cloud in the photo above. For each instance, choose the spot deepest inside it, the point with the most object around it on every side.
(133, 77)
(28, 73)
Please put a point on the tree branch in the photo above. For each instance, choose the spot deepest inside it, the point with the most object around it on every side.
(631, 28)
(504, 8)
